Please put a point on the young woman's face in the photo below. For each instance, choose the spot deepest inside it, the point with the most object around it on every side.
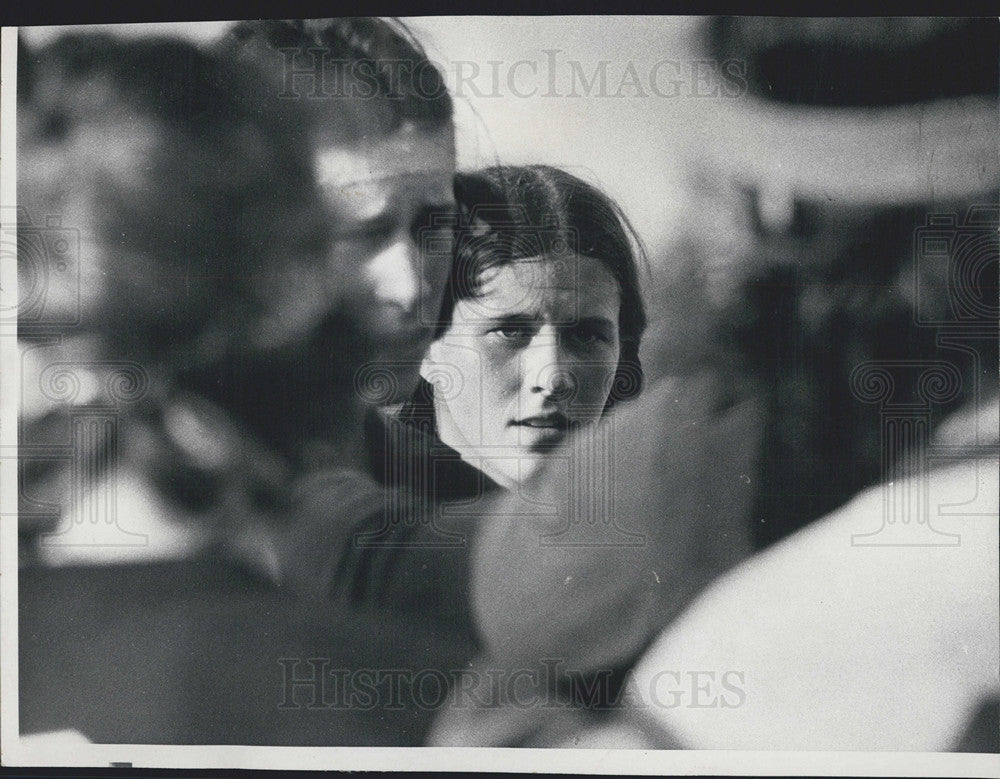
(532, 356)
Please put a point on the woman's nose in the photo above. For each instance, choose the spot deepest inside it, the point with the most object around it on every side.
(547, 370)
(393, 275)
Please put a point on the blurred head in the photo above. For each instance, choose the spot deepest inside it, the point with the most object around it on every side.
(382, 152)
(188, 206)
(215, 239)
(541, 321)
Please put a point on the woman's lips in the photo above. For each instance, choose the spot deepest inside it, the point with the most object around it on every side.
(544, 430)
(554, 421)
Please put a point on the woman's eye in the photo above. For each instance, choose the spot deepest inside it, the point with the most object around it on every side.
(587, 337)
(511, 332)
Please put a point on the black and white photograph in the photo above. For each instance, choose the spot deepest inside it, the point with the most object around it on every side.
(604, 394)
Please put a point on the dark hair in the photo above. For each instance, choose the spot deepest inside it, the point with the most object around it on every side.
(510, 213)
(381, 53)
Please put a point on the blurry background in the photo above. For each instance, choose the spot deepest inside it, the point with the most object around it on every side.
(676, 96)
(508, 111)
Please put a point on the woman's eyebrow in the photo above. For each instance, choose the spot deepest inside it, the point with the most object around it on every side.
(516, 316)
(513, 318)
(600, 322)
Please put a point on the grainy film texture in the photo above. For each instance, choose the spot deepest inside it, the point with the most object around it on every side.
(507, 382)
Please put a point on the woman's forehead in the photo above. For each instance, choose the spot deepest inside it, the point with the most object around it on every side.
(562, 288)
(564, 270)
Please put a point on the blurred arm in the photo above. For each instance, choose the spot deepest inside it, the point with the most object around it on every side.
(351, 539)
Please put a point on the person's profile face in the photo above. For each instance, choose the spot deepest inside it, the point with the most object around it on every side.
(391, 204)
(524, 362)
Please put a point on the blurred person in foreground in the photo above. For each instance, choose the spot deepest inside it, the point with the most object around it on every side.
(247, 247)
(186, 191)
(241, 255)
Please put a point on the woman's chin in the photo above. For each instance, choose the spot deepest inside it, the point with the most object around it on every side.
(519, 470)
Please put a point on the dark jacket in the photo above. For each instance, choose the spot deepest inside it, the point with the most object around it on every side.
(398, 536)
